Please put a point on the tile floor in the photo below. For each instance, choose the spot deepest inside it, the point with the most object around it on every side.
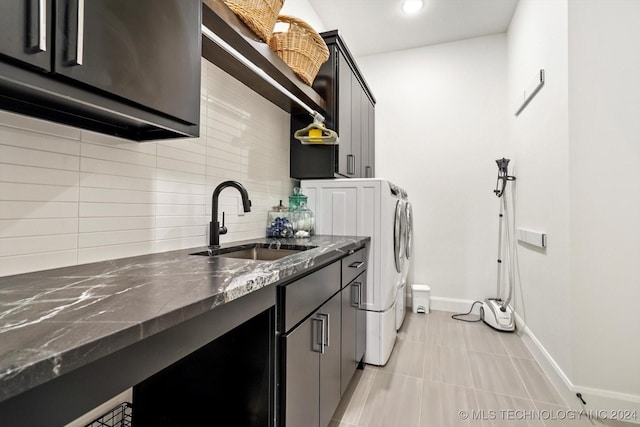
(441, 366)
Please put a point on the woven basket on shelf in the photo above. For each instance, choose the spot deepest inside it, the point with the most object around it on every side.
(259, 15)
(300, 47)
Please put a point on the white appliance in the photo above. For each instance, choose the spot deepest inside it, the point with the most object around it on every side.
(401, 301)
(377, 208)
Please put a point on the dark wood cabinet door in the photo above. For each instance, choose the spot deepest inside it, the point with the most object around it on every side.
(302, 383)
(353, 163)
(365, 145)
(372, 141)
(145, 51)
(343, 111)
(330, 359)
(25, 32)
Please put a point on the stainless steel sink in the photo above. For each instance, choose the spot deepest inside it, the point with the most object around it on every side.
(256, 251)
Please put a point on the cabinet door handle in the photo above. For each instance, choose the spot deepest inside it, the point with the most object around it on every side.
(355, 294)
(351, 164)
(80, 40)
(367, 172)
(37, 26)
(325, 332)
(317, 339)
(75, 32)
(356, 264)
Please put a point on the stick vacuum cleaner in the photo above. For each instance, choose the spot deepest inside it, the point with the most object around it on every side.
(496, 312)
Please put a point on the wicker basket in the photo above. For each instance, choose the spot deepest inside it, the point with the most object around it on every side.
(300, 47)
(259, 15)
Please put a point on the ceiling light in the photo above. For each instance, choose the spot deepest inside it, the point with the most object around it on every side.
(411, 6)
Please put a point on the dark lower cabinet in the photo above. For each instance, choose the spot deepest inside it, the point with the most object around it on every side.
(313, 367)
(353, 328)
(228, 382)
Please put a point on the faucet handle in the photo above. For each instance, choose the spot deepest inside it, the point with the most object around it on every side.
(223, 229)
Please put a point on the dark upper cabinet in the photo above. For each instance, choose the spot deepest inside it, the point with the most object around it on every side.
(349, 111)
(136, 50)
(121, 67)
(25, 32)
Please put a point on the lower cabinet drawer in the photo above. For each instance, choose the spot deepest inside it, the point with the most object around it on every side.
(353, 265)
(305, 295)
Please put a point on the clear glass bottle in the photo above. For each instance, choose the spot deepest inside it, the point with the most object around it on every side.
(279, 222)
(303, 221)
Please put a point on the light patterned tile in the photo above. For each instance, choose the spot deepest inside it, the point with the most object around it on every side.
(448, 365)
(480, 337)
(407, 358)
(444, 405)
(444, 332)
(515, 346)
(495, 373)
(384, 409)
(497, 410)
(414, 328)
(536, 381)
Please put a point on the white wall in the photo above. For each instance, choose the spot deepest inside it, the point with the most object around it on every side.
(439, 127)
(578, 165)
(539, 139)
(604, 123)
(69, 196)
(302, 9)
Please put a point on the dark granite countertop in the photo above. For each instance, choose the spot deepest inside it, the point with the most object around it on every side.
(55, 321)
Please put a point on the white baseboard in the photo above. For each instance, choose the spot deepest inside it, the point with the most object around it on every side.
(601, 402)
(454, 305)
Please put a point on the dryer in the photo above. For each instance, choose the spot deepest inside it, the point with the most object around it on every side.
(369, 207)
(407, 231)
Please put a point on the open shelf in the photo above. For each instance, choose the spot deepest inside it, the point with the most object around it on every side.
(221, 20)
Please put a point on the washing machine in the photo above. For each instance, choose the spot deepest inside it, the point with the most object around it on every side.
(369, 207)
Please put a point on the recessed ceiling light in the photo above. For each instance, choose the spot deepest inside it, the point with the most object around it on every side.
(411, 6)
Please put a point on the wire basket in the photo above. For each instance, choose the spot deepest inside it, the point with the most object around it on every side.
(120, 416)
(259, 15)
(300, 47)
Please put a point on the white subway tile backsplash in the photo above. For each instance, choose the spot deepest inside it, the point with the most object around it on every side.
(37, 227)
(90, 225)
(38, 244)
(106, 209)
(116, 154)
(40, 142)
(36, 175)
(16, 121)
(107, 238)
(71, 196)
(38, 192)
(114, 142)
(19, 210)
(37, 261)
(116, 168)
(110, 195)
(98, 180)
(43, 159)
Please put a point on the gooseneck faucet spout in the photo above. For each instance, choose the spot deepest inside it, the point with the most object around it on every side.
(215, 230)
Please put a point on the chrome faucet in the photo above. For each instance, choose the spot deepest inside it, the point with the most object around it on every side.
(215, 230)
